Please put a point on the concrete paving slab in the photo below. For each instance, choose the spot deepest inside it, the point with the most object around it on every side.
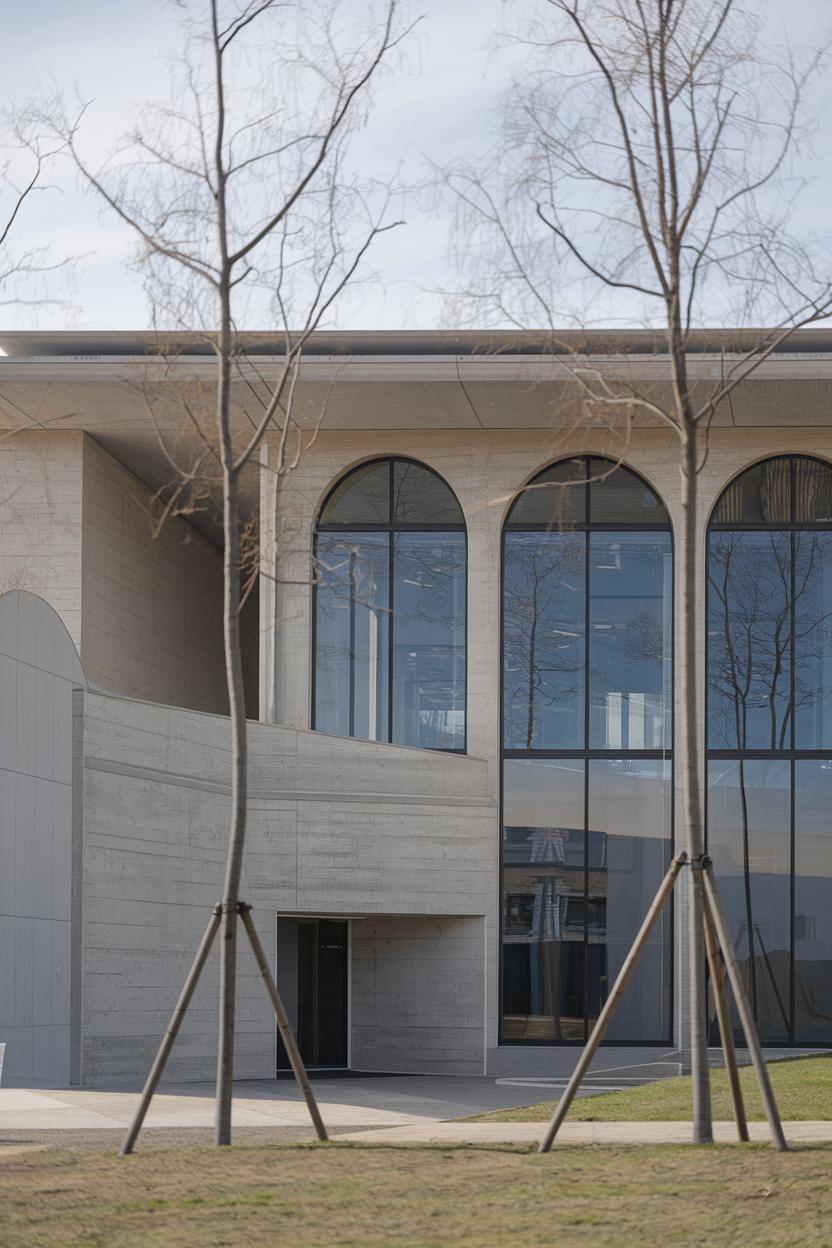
(530, 1133)
(374, 1101)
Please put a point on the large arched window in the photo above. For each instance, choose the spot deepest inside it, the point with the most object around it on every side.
(769, 726)
(587, 647)
(389, 644)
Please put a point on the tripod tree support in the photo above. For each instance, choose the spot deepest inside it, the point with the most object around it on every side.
(714, 907)
(716, 970)
(717, 936)
(283, 1025)
(181, 1007)
(623, 978)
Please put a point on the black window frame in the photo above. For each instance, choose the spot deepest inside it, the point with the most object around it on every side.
(391, 527)
(790, 754)
(587, 754)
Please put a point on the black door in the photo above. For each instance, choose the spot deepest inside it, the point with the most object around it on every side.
(322, 994)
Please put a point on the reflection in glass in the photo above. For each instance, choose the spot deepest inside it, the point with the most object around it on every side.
(543, 900)
(813, 491)
(555, 499)
(617, 496)
(629, 814)
(761, 495)
(813, 637)
(421, 497)
(429, 640)
(363, 497)
(813, 902)
(390, 608)
(543, 640)
(352, 619)
(749, 840)
(630, 613)
(749, 640)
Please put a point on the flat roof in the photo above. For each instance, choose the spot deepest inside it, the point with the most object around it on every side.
(97, 344)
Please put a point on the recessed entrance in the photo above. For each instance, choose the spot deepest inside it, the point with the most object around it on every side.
(312, 966)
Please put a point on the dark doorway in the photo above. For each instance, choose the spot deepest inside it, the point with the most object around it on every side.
(321, 1026)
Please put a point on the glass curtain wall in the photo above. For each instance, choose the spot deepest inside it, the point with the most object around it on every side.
(769, 726)
(389, 644)
(587, 670)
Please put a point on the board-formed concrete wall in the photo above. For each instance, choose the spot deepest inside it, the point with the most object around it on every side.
(144, 612)
(151, 607)
(418, 995)
(40, 520)
(39, 667)
(336, 826)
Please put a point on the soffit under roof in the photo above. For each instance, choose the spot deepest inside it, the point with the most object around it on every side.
(110, 387)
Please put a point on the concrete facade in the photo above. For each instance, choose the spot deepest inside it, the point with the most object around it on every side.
(403, 843)
(336, 826)
(142, 610)
(486, 468)
(39, 668)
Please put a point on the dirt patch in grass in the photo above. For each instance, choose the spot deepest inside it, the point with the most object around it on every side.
(803, 1089)
(320, 1196)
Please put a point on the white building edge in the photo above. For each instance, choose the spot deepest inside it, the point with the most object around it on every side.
(374, 867)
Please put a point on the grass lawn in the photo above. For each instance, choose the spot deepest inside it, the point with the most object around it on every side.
(320, 1196)
(803, 1089)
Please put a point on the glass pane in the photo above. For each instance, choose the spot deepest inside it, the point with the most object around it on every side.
(556, 498)
(812, 491)
(543, 640)
(420, 497)
(629, 837)
(351, 624)
(813, 902)
(813, 636)
(617, 496)
(630, 640)
(429, 640)
(363, 497)
(749, 841)
(543, 900)
(762, 495)
(749, 640)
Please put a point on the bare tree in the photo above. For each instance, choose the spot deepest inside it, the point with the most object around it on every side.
(27, 153)
(244, 204)
(644, 176)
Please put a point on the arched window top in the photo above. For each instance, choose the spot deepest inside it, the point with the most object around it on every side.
(391, 494)
(785, 491)
(588, 491)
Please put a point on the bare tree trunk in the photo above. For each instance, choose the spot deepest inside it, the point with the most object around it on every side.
(691, 781)
(237, 712)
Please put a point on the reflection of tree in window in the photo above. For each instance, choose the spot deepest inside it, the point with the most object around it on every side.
(769, 690)
(543, 639)
(390, 608)
(587, 615)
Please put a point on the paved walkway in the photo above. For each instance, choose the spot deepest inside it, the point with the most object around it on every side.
(529, 1133)
(373, 1101)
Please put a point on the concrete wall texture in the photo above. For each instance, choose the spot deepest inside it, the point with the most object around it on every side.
(151, 624)
(405, 841)
(143, 612)
(336, 826)
(39, 667)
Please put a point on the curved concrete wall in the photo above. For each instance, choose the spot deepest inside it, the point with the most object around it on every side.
(39, 667)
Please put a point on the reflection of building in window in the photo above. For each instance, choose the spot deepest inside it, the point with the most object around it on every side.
(389, 653)
(770, 737)
(587, 644)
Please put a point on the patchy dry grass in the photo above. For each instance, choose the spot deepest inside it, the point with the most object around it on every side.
(803, 1089)
(320, 1196)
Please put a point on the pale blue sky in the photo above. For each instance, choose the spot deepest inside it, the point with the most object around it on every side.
(111, 49)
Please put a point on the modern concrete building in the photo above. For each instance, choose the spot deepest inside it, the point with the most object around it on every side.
(460, 680)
